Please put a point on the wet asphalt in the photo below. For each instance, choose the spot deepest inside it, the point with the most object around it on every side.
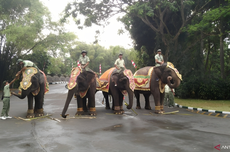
(148, 132)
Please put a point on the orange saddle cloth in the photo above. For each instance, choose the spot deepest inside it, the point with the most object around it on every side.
(104, 80)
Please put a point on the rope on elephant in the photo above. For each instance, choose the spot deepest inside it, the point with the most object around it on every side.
(29, 119)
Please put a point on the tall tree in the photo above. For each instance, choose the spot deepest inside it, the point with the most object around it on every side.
(157, 14)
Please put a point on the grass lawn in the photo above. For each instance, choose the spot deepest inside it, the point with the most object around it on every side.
(220, 105)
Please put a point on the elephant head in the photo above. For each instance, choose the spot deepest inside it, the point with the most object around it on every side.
(168, 75)
(123, 83)
(84, 81)
(34, 86)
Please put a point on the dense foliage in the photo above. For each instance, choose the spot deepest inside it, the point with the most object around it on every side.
(192, 34)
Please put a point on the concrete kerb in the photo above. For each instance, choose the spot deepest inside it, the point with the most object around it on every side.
(205, 110)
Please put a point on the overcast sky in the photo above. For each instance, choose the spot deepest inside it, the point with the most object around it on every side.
(108, 36)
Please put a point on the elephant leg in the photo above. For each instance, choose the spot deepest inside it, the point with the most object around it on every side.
(38, 108)
(121, 96)
(30, 111)
(147, 103)
(156, 95)
(115, 95)
(106, 96)
(162, 102)
(91, 101)
(137, 95)
(112, 100)
(80, 110)
(85, 104)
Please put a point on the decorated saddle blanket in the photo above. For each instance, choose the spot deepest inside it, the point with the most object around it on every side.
(26, 80)
(104, 80)
(142, 81)
(129, 75)
(73, 77)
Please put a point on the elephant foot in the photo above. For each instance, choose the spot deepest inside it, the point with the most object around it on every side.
(117, 112)
(79, 113)
(107, 108)
(138, 107)
(39, 112)
(148, 108)
(92, 113)
(30, 113)
(157, 112)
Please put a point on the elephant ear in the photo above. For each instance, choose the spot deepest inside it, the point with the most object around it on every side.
(160, 70)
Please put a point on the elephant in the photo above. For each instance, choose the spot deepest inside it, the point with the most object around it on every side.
(85, 84)
(123, 84)
(35, 88)
(158, 78)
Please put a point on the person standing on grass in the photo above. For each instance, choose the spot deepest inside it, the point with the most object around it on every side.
(169, 97)
(6, 100)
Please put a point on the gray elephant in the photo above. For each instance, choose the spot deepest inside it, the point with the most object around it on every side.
(124, 84)
(151, 80)
(83, 85)
(33, 85)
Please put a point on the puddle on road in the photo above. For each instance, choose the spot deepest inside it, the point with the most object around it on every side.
(168, 125)
(113, 128)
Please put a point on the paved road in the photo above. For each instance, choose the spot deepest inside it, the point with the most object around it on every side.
(147, 132)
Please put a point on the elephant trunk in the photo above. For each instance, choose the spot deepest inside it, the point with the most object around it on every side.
(176, 82)
(130, 92)
(69, 98)
(23, 94)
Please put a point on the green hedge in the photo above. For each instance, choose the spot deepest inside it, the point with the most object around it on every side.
(204, 88)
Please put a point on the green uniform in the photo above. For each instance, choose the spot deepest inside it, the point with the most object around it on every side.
(83, 61)
(6, 101)
(120, 63)
(28, 63)
(169, 97)
(159, 58)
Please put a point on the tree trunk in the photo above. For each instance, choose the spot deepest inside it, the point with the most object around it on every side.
(207, 59)
(201, 48)
(221, 57)
(221, 49)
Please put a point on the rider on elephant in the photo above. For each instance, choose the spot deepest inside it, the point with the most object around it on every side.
(119, 65)
(159, 60)
(24, 64)
(84, 61)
